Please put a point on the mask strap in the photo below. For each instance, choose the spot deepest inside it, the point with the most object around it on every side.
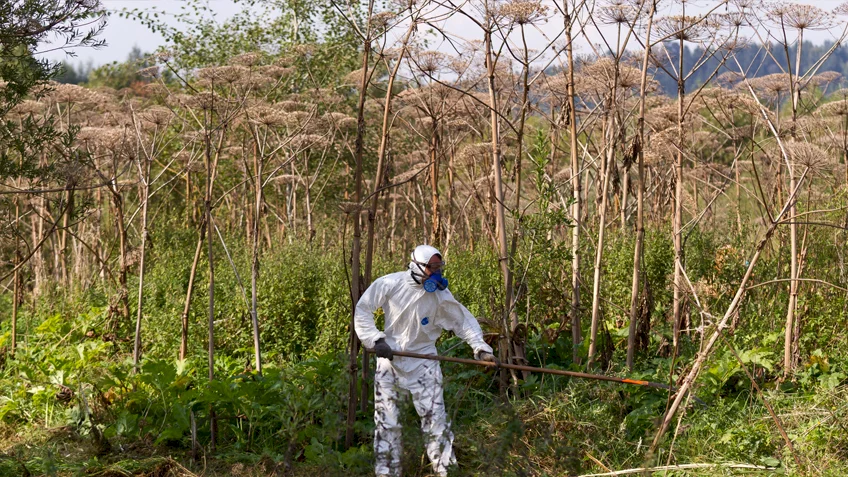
(415, 276)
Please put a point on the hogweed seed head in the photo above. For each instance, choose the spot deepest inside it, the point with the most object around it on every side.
(291, 106)
(834, 108)
(773, 85)
(265, 115)
(382, 21)
(746, 5)
(807, 155)
(246, 59)
(149, 72)
(339, 121)
(729, 78)
(354, 78)
(158, 116)
(222, 74)
(430, 62)
(617, 12)
(826, 78)
(524, 12)
(411, 172)
(680, 27)
(799, 17)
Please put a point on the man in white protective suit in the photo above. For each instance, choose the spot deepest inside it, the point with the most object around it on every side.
(417, 306)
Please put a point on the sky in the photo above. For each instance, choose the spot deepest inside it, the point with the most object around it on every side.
(122, 34)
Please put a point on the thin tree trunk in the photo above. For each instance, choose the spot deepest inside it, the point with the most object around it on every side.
(625, 184)
(599, 250)
(518, 347)
(63, 242)
(378, 182)
(254, 272)
(293, 204)
(190, 291)
(118, 202)
(738, 197)
(436, 219)
(310, 227)
(788, 363)
(359, 146)
(38, 264)
(635, 290)
(393, 226)
(576, 184)
(207, 204)
(16, 289)
(500, 220)
(451, 228)
(145, 181)
(677, 221)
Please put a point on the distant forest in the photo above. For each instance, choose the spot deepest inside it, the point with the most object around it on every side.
(755, 59)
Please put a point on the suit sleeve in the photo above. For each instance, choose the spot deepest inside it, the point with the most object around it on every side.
(463, 324)
(363, 319)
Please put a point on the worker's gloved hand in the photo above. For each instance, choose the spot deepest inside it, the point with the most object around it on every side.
(486, 356)
(383, 350)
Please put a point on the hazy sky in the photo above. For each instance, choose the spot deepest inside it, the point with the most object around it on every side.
(122, 34)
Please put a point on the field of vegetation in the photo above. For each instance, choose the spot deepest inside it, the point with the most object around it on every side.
(655, 190)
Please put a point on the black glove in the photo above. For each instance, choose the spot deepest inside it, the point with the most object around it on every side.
(383, 350)
(486, 356)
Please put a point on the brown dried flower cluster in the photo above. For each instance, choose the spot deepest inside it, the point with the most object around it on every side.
(28, 107)
(73, 94)
(729, 78)
(475, 153)
(524, 12)
(382, 21)
(724, 102)
(619, 12)
(266, 115)
(808, 155)
(835, 108)
(412, 171)
(602, 75)
(230, 74)
(799, 16)
(773, 85)
(429, 62)
(662, 148)
(339, 121)
(825, 78)
(297, 120)
(679, 27)
(354, 78)
(149, 72)
(274, 72)
(158, 116)
(113, 139)
(246, 59)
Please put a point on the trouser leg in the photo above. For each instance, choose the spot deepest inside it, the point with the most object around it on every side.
(428, 397)
(387, 432)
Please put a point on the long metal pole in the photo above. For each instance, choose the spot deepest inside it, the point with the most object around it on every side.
(533, 369)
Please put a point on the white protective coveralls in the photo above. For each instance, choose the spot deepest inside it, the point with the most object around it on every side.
(414, 320)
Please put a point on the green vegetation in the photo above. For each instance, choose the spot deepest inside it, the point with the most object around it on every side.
(70, 401)
(183, 236)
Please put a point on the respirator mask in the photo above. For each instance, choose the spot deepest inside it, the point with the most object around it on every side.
(422, 258)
